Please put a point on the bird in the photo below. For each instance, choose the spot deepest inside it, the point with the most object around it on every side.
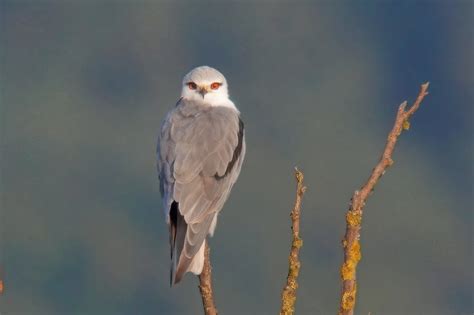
(200, 151)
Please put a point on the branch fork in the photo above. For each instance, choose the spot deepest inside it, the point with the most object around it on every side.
(350, 243)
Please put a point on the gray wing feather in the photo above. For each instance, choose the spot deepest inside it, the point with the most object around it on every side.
(197, 165)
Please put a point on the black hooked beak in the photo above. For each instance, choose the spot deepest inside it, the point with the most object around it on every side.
(203, 91)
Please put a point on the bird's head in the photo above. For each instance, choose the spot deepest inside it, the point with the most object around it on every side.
(205, 84)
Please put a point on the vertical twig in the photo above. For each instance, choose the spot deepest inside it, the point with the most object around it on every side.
(350, 242)
(288, 296)
(2, 283)
(205, 284)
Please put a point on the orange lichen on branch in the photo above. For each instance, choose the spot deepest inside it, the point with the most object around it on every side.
(1, 286)
(351, 244)
(348, 268)
(353, 218)
(288, 296)
(406, 125)
(348, 299)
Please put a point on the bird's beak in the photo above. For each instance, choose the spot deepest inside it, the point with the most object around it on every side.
(203, 91)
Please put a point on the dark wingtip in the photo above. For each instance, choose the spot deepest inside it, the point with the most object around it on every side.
(173, 214)
(175, 277)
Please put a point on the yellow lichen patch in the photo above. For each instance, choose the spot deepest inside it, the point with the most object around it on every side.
(294, 269)
(348, 299)
(297, 242)
(288, 305)
(348, 269)
(406, 125)
(299, 176)
(354, 251)
(353, 218)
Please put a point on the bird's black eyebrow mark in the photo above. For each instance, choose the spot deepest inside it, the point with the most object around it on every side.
(237, 151)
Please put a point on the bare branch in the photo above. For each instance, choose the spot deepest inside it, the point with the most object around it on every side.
(205, 285)
(350, 242)
(288, 296)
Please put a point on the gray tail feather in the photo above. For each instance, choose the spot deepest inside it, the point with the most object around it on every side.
(173, 269)
(178, 230)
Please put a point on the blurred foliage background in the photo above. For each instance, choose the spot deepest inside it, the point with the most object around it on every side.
(86, 84)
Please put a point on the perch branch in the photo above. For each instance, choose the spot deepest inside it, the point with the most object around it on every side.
(2, 284)
(205, 285)
(350, 242)
(288, 296)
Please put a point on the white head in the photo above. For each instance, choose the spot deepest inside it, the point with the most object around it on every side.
(206, 85)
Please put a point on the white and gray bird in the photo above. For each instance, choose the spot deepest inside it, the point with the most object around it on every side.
(200, 152)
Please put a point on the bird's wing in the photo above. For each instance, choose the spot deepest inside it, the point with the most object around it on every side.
(200, 154)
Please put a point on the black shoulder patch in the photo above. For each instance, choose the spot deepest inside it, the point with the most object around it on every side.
(237, 151)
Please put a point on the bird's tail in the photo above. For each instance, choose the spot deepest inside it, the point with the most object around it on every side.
(181, 263)
(195, 265)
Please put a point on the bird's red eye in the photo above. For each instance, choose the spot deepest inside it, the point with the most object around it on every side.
(215, 85)
(192, 85)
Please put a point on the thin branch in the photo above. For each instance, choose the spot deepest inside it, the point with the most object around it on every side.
(2, 284)
(288, 296)
(350, 242)
(205, 285)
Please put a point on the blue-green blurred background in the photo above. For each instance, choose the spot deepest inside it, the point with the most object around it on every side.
(86, 84)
